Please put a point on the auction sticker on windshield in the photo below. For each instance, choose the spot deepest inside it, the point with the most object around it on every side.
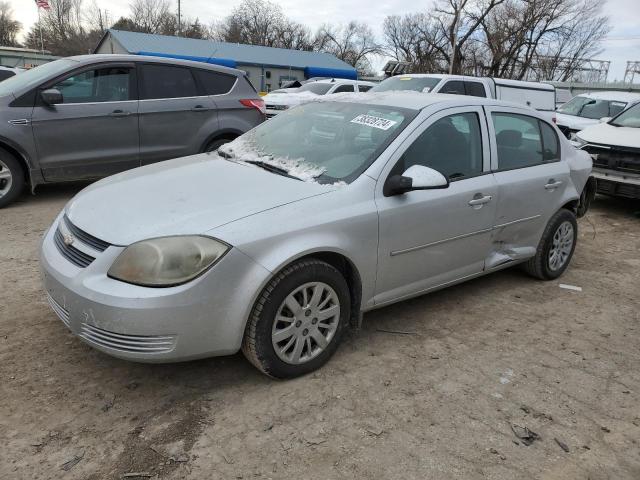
(375, 122)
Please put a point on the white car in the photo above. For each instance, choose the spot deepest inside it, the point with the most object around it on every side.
(8, 72)
(588, 109)
(615, 149)
(276, 102)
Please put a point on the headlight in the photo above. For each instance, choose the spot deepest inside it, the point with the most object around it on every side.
(167, 261)
(576, 141)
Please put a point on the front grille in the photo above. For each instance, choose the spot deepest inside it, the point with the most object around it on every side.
(59, 310)
(276, 107)
(84, 237)
(127, 343)
(75, 256)
(615, 158)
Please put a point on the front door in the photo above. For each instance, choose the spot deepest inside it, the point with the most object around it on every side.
(94, 131)
(429, 238)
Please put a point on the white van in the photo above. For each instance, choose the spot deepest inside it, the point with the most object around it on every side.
(541, 96)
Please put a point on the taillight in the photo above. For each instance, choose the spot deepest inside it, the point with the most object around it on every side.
(255, 103)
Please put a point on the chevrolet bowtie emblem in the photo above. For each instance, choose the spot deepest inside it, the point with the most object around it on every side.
(68, 239)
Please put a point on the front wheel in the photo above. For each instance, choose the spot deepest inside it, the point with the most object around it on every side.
(297, 322)
(11, 178)
(556, 247)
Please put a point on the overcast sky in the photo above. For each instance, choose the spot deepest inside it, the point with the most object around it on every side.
(623, 43)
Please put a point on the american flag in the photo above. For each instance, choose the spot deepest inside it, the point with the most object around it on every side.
(43, 4)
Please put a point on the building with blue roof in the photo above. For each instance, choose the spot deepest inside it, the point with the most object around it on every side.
(267, 67)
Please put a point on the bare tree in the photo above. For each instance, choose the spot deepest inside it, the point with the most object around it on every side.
(353, 43)
(153, 16)
(9, 26)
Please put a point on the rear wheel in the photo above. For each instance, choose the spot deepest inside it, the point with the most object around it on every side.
(11, 178)
(298, 320)
(556, 247)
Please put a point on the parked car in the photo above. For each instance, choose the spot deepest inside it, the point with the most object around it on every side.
(615, 149)
(588, 109)
(276, 102)
(281, 239)
(8, 72)
(91, 116)
(540, 96)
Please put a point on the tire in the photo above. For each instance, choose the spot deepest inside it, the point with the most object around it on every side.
(11, 178)
(215, 144)
(561, 229)
(272, 316)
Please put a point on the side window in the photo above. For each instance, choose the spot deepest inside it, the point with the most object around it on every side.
(455, 87)
(344, 88)
(215, 83)
(164, 81)
(475, 89)
(615, 108)
(518, 139)
(550, 143)
(364, 88)
(451, 145)
(100, 85)
(4, 74)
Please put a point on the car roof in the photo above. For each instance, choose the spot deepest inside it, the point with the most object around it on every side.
(109, 57)
(417, 101)
(620, 96)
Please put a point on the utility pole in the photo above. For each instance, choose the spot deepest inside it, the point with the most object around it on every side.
(179, 19)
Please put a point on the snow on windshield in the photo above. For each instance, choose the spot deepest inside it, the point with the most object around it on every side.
(244, 151)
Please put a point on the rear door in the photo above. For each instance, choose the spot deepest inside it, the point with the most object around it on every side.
(176, 116)
(531, 177)
(94, 131)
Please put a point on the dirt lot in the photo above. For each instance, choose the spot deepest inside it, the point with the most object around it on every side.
(437, 403)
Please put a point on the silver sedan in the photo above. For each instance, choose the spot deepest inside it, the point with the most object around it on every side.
(283, 238)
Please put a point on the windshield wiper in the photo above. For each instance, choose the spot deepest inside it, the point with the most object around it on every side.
(272, 168)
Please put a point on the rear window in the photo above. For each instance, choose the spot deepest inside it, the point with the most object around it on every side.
(215, 83)
(165, 81)
(4, 74)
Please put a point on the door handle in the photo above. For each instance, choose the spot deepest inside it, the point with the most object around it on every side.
(199, 108)
(479, 200)
(119, 113)
(552, 184)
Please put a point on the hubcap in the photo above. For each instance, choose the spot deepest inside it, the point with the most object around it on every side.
(6, 179)
(305, 323)
(561, 246)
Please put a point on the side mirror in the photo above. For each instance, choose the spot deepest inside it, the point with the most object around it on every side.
(605, 119)
(51, 96)
(417, 177)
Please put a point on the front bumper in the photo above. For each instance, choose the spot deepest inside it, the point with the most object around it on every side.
(205, 317)
(612, 182)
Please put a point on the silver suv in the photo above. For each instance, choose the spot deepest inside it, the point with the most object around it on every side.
(91, 116)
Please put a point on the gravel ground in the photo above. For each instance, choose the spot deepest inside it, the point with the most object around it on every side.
(437, 402)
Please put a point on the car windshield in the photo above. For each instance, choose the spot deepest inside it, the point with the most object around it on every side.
(628, 118)
(591, 108)
(326, 142)
(35, 76)
(315, 87)
(418, 84)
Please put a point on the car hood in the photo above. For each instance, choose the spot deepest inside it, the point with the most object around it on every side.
(573, 122)
(606, 134)
(189, 195)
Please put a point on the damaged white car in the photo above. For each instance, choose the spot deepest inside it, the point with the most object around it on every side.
(331, 209)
